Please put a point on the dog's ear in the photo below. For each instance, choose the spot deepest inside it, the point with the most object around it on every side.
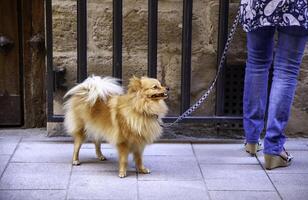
(134, 84)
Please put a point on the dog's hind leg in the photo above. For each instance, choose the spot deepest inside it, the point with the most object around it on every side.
(123, 157)
(79, 138)
(139, 162)
(98, 151)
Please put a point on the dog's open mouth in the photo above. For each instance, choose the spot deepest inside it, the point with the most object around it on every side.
(160, 95)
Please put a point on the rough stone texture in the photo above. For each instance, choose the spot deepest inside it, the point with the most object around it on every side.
(135, 44)
(299, 113)
(204, 49)
(55, 129)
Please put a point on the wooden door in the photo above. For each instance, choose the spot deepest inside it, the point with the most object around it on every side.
(10, 65)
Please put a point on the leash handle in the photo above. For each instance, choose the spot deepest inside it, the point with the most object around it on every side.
(210, 89)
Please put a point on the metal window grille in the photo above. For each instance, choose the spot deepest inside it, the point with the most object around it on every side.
(220, 116)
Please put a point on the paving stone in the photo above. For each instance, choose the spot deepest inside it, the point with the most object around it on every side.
(153, 149)
(41, 168)
(102, 185)
(89, 156)
(35, 132)
(111, 164)
(7, 146)
(9, 138)
(53, 153)
(43, 152)
(291, 186)
(236, 177)
(35, 176)
(32, 194)
(169, 150)
(223, 154)
(172, 190)
(293, 144)
(92, 146)
(299, 165)
(45, 138)
(171, 168)
(296, 145)
(244, 195)
(3, 162)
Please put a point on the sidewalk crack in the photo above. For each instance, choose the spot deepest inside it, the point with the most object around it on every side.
(9, 161)
(203, 178)
(68, 184)
(269, 178)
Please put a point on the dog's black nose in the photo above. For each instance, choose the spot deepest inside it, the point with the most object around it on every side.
(167, 88)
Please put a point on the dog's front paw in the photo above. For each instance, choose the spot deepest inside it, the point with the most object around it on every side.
(122, 174)
(144, 171)
(101, 158)
(76, 162)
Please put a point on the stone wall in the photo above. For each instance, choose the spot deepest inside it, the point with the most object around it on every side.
(204, 49)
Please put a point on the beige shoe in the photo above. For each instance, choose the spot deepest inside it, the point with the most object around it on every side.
(274, 161)
(253, 148)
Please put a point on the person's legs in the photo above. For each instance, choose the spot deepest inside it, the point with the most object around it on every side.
(288, 56)
(260, 45)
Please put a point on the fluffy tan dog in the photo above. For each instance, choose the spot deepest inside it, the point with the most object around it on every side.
(98, 108)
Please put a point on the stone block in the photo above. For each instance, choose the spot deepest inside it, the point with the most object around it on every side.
(223, 154)
(102, 185)
(172, 190)
(170, 168)
(7, 147)
(32, 194)
(236, 177)
(291, 186)
(183, 150)
(4, 159)
(36, 176)
(43, 152)
(243, 195)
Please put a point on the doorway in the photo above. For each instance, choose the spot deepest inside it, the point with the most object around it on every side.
(11, 109)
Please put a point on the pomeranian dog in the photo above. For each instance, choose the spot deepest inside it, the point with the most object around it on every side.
(99, 109)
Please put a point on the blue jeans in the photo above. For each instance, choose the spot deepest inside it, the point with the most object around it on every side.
(286, 61)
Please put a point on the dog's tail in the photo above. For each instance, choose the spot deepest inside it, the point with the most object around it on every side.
(96, 87)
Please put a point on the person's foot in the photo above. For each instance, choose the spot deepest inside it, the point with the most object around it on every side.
(284, 159)
(252, 149)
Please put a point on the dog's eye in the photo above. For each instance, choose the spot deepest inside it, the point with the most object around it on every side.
(155, 87)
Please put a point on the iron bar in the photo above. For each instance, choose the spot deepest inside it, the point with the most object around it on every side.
(81, 40)
(222, 39)
(152, 38)
(49, 59)
(186, 55)
(117, 38)
(152, 54)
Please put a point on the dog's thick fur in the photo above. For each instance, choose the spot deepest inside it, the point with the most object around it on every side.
(99, 108)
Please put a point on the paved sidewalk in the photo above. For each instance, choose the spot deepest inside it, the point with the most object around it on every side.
(33, 166)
